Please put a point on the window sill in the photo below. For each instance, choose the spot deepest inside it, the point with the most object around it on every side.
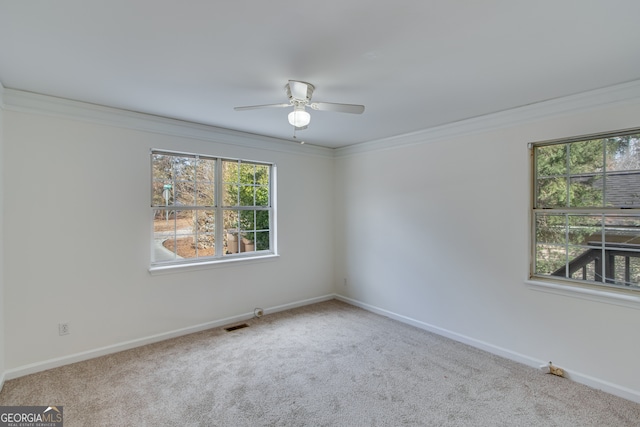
(624, 299)
(206, 265)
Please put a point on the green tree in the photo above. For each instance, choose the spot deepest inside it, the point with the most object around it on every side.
(247, 185)
(571, 175)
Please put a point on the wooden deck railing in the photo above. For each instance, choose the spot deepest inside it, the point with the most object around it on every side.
(597, 256)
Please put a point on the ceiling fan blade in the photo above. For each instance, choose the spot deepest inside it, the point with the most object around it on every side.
(254, 107)
(340, 108)
(300, 90)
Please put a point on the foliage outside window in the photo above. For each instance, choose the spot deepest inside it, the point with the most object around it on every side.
(206, 208)
(586, 210)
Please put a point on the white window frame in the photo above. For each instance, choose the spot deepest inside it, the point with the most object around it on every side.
(628, 296)
(160, 266)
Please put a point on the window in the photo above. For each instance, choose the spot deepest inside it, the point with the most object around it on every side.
(206, 208)
(586, 210)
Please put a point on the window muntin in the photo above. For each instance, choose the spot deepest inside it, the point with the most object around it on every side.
(586, 210)
(192, 194)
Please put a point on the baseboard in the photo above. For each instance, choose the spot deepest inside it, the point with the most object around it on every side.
(127, 345)
(615, 389)
(1, 381)
(297, 304)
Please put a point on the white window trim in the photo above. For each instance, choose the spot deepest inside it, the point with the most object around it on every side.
(156, 269)
(624, 299)
(208, 263)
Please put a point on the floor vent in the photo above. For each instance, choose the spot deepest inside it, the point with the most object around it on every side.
(236, 327)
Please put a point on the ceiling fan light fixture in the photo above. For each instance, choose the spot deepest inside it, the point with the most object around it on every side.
(299, 117)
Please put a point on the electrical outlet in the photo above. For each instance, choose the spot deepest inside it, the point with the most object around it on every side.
(63, 328)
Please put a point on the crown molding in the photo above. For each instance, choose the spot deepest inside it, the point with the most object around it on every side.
(625, 93)
(30, 102)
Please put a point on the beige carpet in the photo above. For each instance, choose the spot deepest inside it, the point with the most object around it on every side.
(329, 364)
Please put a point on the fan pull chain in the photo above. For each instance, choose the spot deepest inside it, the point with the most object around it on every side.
(295, 137)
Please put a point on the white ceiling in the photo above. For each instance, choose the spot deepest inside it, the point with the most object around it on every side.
(414, 64)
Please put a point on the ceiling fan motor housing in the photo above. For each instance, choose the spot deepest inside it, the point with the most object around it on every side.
(299, 91)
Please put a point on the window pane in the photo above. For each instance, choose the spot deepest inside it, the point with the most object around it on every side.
(247, 172)
(248, 242)
(625, 271)
(162, 167)
(621, 269)
(184, 193)
(619, 262)
(247, 195)
(550, 228)
(205, 228)
(205, 170)
(247, 220)
(262, 220)
(230, 243)
(231, 239)
(230, 187)
(230, 195)
(166, 252)
(551, 160)
(163, 230)
(623, 153)
(622, 230)
(205, 194)
(252, 227)
(262, 174)
(586, 157)
(587, 272)
(230, 219)
(585, 230)
(584, 261)
(550, 259)
(185, 243)
(162, 193)
(193, 235)
(262, 240)
(586, 191)
(622, 189)
(552, 193)
(634, 272)
(183, 168)
(229, 171)
(245, 184)
(262, 196)
(174, 235)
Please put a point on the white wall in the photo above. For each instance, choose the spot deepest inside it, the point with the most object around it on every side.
(436, 232)
(77, 239)
(2, 311)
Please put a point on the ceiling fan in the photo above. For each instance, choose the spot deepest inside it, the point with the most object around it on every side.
(299, 94)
